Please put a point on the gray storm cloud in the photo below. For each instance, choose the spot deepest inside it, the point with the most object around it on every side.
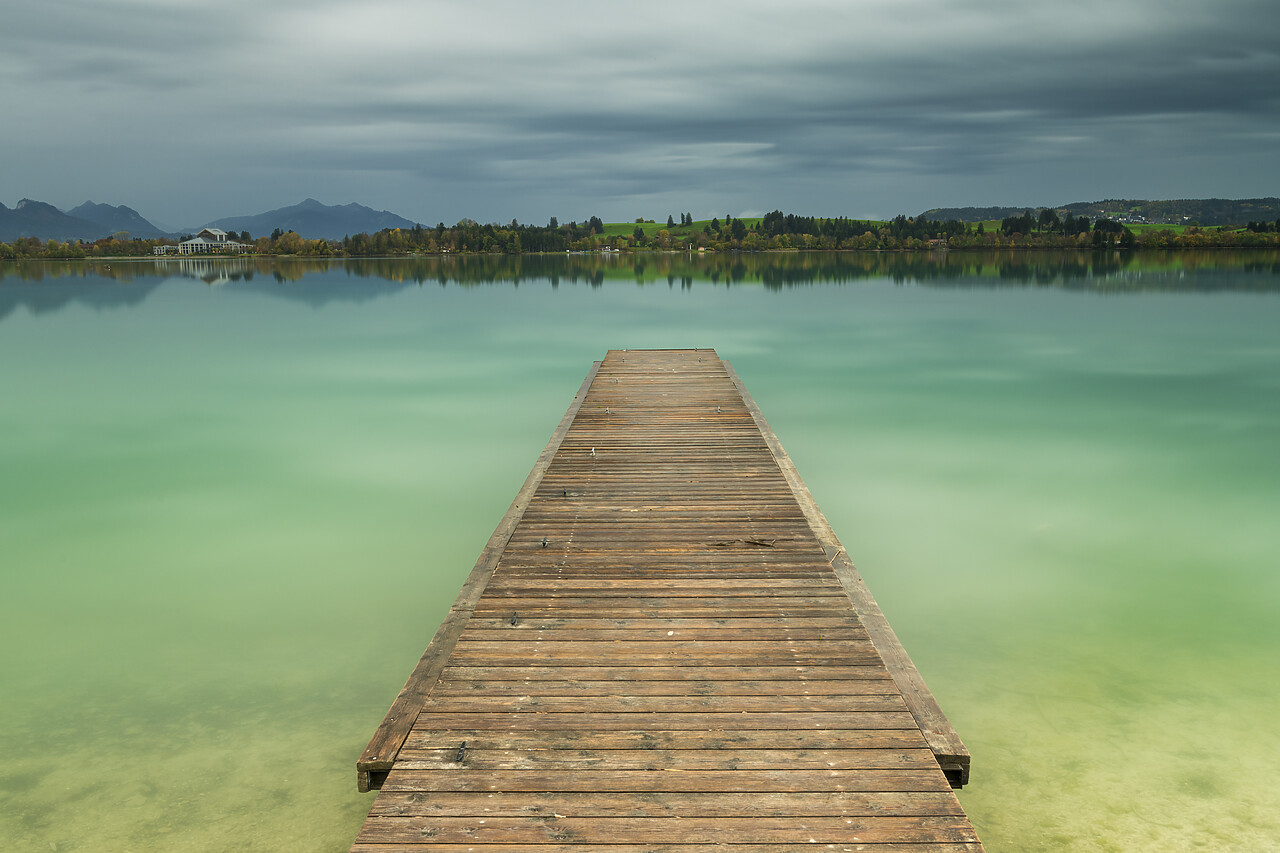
(495, 110)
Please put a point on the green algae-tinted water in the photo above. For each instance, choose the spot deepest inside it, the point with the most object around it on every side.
(236, 499)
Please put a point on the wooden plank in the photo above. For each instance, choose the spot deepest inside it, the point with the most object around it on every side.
(642, 781)
(631, 655)
(632, 590)
(579, 739)
(574, 847)
(507, 585)
(561, 650)
(552, 623)
(659, 635)
(667, 722)
(684, 804)
(703, 672)
(678, 605)
(769, 689)
(611, 704)
(479, 757)
(929, 829)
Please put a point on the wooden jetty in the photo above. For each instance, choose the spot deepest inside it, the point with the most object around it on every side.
(664, 647)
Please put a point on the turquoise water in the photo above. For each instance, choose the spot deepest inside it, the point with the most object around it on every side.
(236, 500)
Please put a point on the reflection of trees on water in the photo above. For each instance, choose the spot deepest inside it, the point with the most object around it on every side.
(43, 287)
(48, 285)
(1101, 271)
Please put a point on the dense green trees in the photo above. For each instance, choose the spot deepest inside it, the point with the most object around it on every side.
(1046, 223)
(1073, 225)
(1017, 224)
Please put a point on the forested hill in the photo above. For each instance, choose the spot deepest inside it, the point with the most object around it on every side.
(1200, 211)
(975, 214)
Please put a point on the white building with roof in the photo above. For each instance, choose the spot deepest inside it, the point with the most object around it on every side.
(210, 240)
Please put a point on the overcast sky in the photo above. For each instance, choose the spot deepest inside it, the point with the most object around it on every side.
(495, 110)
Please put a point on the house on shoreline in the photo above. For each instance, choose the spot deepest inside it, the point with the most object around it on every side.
(211, 240)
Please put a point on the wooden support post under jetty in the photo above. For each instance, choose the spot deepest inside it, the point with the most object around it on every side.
(664, 647)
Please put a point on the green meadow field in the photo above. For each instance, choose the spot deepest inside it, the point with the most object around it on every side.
(651, 229)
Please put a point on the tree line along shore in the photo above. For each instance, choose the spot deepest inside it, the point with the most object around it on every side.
(774, 231)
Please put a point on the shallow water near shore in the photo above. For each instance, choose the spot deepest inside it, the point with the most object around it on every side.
(236, 499)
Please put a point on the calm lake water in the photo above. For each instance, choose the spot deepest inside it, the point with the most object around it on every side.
(236, 498)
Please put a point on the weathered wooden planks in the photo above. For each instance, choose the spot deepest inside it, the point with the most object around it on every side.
(664, 647)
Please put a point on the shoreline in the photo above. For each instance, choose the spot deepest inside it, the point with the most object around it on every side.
(631, 252)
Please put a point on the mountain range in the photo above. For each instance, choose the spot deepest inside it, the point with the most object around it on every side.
(314, 221)
(117, 219)
(90, 221)
(37, 219)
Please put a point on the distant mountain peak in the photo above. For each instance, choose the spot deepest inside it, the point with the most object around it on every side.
(312, 219)
(31, 218)
(116, 219)
(31, 207)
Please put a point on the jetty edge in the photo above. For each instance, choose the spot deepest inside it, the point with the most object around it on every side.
(953, 757)
(379, 756)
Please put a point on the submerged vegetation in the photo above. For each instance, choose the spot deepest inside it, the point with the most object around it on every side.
(773, 232)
